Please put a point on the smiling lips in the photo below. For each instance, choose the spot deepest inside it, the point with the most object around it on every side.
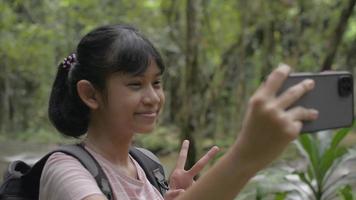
(148, 114)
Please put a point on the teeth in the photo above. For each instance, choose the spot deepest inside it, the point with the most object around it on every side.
(149, 114)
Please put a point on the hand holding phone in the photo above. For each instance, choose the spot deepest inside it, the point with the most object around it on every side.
(332, 96)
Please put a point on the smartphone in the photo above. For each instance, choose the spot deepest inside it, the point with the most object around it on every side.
(332, 96)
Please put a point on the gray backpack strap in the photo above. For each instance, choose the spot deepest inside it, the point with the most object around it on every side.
(153, 168)
(149, 154)
(30, 178)
(88, 161)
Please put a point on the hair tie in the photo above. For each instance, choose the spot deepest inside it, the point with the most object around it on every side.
(69, 61)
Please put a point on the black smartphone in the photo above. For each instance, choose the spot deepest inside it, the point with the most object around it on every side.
(332, 96)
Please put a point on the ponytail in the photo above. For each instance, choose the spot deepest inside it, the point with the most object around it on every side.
(66, 111)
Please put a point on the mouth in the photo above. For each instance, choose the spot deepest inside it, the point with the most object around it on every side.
(148, 114)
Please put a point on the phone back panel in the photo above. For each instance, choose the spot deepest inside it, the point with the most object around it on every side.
(335, 111)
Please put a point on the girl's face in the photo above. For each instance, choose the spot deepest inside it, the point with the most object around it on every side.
(134, 102)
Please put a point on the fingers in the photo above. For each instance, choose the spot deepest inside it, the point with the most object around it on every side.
(303, 114)
(295, 128)
(294, 93)
(183, 155)
(203, 161)
(275, 80)
(297, 115)
(172, 194)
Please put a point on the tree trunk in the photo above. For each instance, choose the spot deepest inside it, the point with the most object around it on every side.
(188, 125)
(269, 48)
(4, 99)
(337, 36)
(173, 17)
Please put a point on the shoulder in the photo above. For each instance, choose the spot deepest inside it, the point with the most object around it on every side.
(64, 177)
(62, 164)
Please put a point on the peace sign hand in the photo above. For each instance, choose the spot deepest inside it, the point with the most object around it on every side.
(181, 178)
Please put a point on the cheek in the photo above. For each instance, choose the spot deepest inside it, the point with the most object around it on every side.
(122, 104)
(162, 97)
(121, 111)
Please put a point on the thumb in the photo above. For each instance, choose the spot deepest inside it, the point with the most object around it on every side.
(172, 194)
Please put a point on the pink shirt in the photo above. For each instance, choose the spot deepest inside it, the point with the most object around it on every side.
(64, 178)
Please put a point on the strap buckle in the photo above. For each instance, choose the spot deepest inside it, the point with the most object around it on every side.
(161, 179)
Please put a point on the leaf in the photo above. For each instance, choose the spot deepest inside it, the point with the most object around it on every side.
(331, 154)
(346, 193)
(259, 193)
(331, 182)
(311, 148)
(306, 181)
(339, 136)
(280, 196)
(327, 160)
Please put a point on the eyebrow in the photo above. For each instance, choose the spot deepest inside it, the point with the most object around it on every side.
(141, 75)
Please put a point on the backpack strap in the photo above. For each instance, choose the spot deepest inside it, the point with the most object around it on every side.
(146, 159)
(32, 178)
(152, 167)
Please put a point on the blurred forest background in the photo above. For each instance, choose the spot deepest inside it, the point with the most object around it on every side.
(216, 53)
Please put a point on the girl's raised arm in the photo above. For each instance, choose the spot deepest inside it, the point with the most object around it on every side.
(267, 129)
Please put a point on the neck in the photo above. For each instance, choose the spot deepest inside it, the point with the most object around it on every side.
(112, 145)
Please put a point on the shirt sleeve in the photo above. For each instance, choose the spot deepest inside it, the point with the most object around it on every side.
(64, 177)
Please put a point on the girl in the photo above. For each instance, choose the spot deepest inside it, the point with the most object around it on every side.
(112, 90)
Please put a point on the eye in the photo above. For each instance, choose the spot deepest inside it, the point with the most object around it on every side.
(135, 85)
(157, 84)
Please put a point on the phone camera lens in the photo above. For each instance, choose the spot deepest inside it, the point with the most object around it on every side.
(345, 86)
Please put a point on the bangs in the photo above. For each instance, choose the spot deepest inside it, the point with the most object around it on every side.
(132, 54)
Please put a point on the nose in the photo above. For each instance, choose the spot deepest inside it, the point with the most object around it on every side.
(151, 96)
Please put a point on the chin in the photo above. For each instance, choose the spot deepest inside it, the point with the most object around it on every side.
(145, 130)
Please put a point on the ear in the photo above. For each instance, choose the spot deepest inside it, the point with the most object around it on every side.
(88, 94)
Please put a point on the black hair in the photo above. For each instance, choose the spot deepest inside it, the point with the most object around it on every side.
(103, 51)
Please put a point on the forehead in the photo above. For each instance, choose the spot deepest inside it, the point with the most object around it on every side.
(151, 71)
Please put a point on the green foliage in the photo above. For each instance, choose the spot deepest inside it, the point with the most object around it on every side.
(239, 42)
(346, 193)
(321, 160)
(281, 196)
(41, 136)
(162, 141)
(325, 171)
